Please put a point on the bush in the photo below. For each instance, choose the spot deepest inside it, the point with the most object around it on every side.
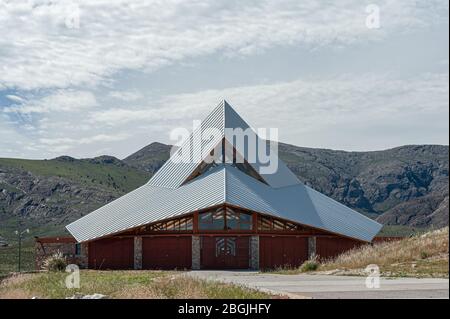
(311, 264)
(55, 262)
(423, 255)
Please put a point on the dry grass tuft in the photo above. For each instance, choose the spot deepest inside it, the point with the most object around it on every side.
(425, 254)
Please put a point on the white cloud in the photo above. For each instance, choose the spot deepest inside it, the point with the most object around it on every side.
(57, 101)
(14, 98)
(101, 138)
(54, 71)
(40, 51)
(353, 112)
(315, 100)
(53, 146)
(338, 112)
(127, 96)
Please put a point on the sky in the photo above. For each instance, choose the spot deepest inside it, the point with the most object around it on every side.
(87, 78)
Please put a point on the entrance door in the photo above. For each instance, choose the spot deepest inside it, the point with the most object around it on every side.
(225, 252)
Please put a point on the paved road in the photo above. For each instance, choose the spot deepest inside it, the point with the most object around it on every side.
(327, 286)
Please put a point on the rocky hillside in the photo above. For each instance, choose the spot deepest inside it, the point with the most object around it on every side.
(47, 194)
(3, 242)
(407, 185)
(402, 186)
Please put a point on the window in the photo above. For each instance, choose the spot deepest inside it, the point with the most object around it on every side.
(266, 223)
(77, 249)
(225, 219)
(212, 220)
(238, 220)
(181, 224)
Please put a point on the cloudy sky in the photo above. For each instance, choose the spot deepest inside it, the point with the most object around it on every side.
(85, 78)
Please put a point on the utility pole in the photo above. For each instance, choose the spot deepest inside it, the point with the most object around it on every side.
(20, 234)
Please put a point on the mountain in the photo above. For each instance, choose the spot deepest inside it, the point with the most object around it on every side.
(150, 158)
(405, 186)
(48, 194)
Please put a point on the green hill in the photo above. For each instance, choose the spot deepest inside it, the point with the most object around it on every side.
(45, 195)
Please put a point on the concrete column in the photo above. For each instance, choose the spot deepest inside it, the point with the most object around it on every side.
(311, 247)
(195, 252)
(254, 252)
(137, 252)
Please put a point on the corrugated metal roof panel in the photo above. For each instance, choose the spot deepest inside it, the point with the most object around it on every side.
(224, 183)
(148, 204)
(172, 174)
(300, 204)
(283, 175)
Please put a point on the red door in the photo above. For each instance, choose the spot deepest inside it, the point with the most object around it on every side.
(111, 253)
(169, 252)
(282, 251)
(225, 252)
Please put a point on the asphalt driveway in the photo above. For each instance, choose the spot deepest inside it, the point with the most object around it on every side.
(328, 286)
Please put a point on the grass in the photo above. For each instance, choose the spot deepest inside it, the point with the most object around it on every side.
(422, 255)
(401, 231)
(122, 284)
(9, 258)
(9, 254)
(110, 176)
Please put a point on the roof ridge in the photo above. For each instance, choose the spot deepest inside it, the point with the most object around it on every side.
(176, 171)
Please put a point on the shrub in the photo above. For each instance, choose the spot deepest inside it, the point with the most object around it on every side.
(423, 255)
(55, 262)
(311, 264)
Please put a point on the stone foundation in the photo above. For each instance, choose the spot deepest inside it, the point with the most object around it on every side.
(195, 252)
(312, 244)
(137, 252)
(254, 252)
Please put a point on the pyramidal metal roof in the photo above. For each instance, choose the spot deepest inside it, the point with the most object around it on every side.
(173, 174)
(168, 195)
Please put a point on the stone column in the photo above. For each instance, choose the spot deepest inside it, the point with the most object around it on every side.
(137, 252)
(311, 247)
(254, 252)
(83, 260)
(195, 252)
